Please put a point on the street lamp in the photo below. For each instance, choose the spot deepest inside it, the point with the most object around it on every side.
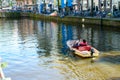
(44, 6)
(91, 7)
(1, 4)
(58, 6)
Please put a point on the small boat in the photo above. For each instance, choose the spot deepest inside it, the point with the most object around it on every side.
(83, 53)
(53, 14)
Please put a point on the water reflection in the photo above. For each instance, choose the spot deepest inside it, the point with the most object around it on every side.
(37, 50)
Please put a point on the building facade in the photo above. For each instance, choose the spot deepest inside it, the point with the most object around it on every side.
(26, 4)
(7, 3)
(103, 5)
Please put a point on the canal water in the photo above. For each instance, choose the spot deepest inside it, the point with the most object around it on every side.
(37, 50)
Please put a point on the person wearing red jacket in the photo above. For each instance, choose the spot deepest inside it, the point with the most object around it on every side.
(83, 43)
(83, 46)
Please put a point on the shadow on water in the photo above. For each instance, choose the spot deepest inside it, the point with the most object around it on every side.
(114, 78)
(111, 58)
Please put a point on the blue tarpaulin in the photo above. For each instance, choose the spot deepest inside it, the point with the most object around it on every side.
(69, 2)
(41, 7)
(65, 3)
(62, 3)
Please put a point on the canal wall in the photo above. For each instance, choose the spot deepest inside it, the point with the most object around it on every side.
(10, 15)
(80, 20)
(66, 19)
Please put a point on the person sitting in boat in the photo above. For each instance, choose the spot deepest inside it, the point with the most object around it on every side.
(76, 44)
(83, 46)
(83, 43)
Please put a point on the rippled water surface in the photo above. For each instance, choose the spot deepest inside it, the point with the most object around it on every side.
(37, 50)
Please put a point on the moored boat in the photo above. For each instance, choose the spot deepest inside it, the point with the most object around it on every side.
(53, 14)
(82, 52)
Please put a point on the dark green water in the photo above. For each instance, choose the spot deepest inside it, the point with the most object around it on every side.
(36, 50)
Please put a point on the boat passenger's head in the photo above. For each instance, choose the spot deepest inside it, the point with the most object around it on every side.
(84, 40)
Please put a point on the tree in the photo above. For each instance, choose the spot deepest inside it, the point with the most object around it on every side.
(11, 3)
(44, 6)
(104, 5)
(1, 1)
(110, 5)
(34, 1)
(58, 5)
(8, 3)
(91, 7)
(79, 5)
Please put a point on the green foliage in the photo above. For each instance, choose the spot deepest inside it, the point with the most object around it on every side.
(4, 64)
(13, 14)
(0, 3)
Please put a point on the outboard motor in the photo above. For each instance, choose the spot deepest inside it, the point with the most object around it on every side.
(92, 51)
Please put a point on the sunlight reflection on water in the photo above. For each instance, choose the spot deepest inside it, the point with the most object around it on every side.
(39, 52)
